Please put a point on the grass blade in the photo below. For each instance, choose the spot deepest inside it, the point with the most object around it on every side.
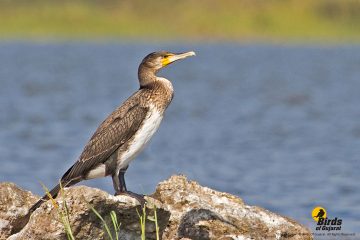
(156, 224)
(142, 222)
(103, 221)
(115, 223)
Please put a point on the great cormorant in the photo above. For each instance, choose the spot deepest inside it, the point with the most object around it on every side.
(126, 131)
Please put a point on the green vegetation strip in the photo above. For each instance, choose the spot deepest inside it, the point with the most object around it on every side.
(325, 20)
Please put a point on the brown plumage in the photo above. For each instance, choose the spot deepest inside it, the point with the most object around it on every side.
(126, 131)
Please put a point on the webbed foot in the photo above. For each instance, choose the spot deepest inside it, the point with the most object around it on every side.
(138, 197)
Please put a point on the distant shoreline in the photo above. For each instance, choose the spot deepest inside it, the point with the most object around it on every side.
(245, 21)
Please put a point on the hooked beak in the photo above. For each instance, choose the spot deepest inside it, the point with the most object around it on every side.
(172, 58)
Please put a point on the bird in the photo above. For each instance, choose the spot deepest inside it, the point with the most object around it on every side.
(126, 131)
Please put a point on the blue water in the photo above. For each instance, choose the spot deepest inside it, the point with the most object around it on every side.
(277, 125)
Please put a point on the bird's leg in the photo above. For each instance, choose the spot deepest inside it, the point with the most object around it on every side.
(119, 181)
(122, 179)
(120, 187)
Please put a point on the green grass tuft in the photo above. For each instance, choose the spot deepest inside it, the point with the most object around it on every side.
(107, 228)
(63, 211)
(155, 220)
(142, 219)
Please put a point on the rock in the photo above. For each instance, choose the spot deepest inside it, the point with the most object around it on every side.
(46, 221)
(185, 210)
(14, 204)
(202, 213)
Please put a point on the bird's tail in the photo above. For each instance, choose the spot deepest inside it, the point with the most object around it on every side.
(53, 192)
(64, 182)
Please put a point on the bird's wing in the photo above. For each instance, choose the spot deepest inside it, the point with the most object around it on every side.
(111, 134)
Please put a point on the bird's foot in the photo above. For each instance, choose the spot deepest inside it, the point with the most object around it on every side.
(138, 197)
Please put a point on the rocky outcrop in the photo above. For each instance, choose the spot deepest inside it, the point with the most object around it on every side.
(14, 204)
(202, 213)
(185, 210)
(47, 222)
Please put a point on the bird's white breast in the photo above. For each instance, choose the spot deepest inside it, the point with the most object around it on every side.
(142, 136)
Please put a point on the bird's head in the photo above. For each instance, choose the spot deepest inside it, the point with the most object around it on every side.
(158, 60)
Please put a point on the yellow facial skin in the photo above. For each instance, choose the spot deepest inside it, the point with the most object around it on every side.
(166, 60)
(174, 57)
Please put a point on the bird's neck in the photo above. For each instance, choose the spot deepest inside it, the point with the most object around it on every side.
(160, 92)
(146, 76)
(158, 89)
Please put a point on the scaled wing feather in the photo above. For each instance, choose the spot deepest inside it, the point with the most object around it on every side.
(103, 143)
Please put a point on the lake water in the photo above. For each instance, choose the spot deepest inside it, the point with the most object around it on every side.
(277, 125)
